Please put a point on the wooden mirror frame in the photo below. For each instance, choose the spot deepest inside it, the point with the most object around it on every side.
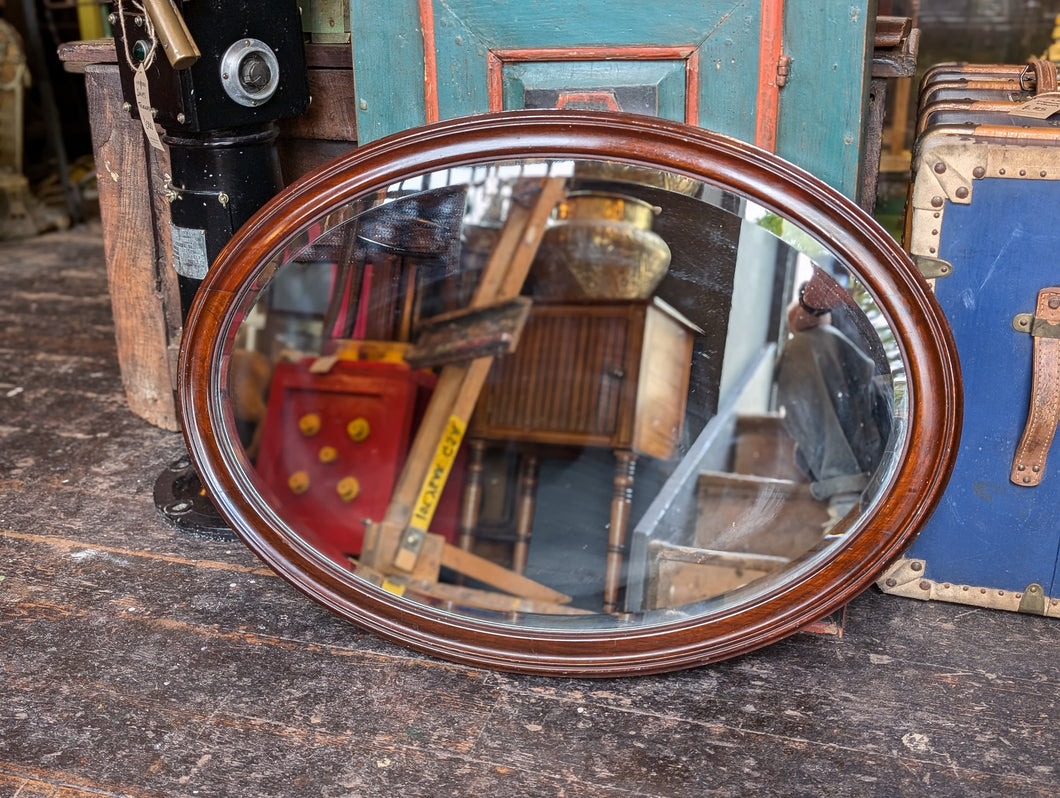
(831, 581)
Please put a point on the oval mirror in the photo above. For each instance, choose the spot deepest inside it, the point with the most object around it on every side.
(569, 393)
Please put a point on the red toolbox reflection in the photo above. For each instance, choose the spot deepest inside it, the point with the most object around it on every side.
(334, 444)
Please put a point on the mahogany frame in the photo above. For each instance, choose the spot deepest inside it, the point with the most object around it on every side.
(828, 583)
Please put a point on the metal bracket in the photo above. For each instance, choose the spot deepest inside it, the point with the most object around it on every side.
(904, 577)
(931, 268)
(1035, 326)
(1033, 601)
(951, 175)
(944, 172)
(409, 550)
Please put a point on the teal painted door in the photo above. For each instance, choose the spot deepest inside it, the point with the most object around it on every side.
(713, 63)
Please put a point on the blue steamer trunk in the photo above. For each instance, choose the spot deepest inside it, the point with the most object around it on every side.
(988, 530)
(983, 210)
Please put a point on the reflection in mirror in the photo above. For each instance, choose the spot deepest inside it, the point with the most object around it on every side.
(569, 394)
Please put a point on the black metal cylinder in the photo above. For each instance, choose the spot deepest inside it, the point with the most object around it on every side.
(220, 179)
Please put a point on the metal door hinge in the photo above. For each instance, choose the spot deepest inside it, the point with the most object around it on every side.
(783, 70)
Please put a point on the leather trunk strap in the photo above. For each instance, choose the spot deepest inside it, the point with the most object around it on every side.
(1028, 465)
(1045, 80)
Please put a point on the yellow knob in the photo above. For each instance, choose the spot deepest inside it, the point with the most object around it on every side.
(298, 482)
(358, 429)
(309, 424)
(328, 454)
(348, 488)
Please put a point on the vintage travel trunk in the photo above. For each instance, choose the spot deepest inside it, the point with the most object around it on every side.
(983, 228)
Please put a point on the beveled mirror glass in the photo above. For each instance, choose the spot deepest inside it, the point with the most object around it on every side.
(569, 393)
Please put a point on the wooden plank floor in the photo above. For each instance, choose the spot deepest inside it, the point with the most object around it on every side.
(137, 661)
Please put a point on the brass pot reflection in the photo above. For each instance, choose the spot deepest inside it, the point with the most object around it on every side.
(625, 173)
(600, 246)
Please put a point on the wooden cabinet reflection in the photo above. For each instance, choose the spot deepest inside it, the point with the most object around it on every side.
(610, 374)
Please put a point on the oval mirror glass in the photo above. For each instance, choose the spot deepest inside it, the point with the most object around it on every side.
(569, 393)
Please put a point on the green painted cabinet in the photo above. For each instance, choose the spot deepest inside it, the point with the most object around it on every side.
(789, 76)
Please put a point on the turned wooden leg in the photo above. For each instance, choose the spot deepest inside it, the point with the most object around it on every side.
(472, 498)
(524, 511)
(621, 501)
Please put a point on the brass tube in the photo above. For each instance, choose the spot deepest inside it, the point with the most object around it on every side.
(173, 33)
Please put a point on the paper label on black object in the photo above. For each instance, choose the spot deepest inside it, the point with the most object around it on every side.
(189, 252)
(143, 107)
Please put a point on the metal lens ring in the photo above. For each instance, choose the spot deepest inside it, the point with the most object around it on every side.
(250, 72)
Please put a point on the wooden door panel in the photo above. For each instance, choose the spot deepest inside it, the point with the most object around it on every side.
(655, 88)
(820, 119)
(418, 61)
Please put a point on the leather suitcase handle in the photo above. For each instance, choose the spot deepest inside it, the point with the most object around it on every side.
(1028, 465)
(1045, 76)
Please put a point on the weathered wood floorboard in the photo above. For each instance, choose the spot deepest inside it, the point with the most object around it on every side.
(136, 661)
